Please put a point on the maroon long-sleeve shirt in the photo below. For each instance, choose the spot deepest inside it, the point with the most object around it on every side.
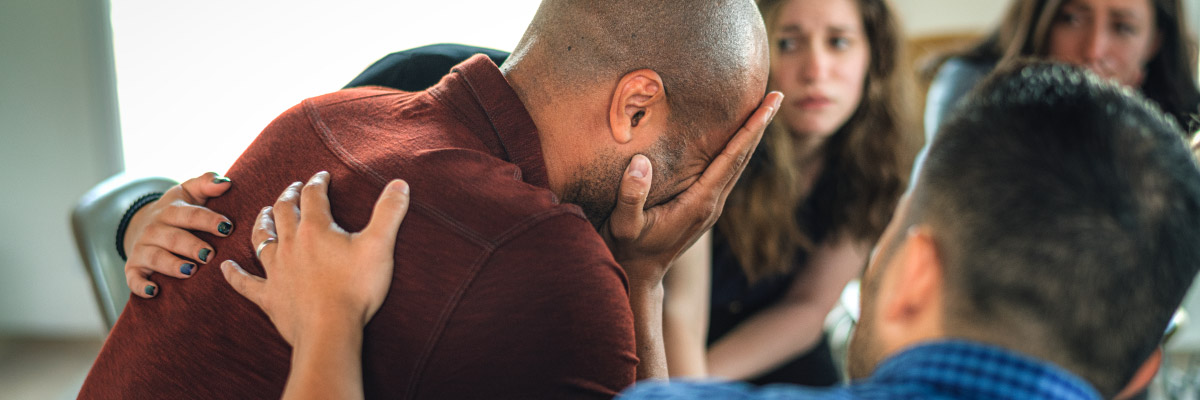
(499, 290)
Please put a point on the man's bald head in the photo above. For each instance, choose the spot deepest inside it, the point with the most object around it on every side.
(707, 52)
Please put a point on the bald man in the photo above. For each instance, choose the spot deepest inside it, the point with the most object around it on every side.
(503, 286)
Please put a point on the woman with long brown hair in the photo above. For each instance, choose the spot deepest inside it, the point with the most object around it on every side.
(749, 301)
(1143, 44)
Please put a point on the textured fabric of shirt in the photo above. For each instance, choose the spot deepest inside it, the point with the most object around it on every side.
(499, 290)
(939, 370)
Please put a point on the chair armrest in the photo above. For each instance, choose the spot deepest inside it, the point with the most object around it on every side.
(94, 223)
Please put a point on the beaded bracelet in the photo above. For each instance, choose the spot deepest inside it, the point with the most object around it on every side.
(133, 209)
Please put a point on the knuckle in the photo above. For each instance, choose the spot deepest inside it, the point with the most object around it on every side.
(624, 233)
(740, 159)
(138, 257)
(190, 214)
(174, 192)
(288, 195)
(631, 198)
(155, 230)
(175, 242)
(131, 281)
(161, 262)
(704, 211)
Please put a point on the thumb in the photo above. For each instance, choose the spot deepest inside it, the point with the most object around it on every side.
(201, 188)
(389, 211)
(628, 218)
(249, 286)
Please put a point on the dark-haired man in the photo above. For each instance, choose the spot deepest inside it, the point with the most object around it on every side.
(503, 286)
(1046, 242)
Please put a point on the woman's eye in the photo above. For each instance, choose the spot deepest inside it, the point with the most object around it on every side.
(1125, 29)
(1069, 18)
(787, 44)
(839, 43)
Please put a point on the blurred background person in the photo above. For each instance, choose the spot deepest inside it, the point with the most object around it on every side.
(1143, 44)
(818, 192)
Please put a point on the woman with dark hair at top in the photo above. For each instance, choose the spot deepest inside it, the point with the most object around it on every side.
(1143, 44)
(816, 195)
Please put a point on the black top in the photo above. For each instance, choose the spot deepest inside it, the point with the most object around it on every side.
(419, 68)
(734, 299)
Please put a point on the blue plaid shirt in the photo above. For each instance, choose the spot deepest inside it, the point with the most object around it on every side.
(938, 370)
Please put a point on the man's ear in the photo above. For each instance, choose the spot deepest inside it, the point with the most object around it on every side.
(638, 103)
(918, 287)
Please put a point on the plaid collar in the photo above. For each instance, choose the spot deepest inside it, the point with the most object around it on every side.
(962, 369)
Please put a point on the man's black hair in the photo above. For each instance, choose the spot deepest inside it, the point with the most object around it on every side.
(1066, 211)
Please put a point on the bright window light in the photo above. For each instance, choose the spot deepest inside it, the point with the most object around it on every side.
(198, 80)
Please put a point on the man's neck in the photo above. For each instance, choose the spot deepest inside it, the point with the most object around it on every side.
(561, 123)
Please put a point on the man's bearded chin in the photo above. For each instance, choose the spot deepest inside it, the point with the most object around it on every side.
(595, 190)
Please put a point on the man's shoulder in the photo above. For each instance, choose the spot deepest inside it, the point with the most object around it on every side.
(357, 94)
(488, 195)
(457, 171)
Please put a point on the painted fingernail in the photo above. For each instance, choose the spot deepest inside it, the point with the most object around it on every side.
(150, 289)
(204, 254)
(224, 227)
(221, 179)
(186, 268)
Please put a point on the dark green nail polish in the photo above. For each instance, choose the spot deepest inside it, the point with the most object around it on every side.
(149, 290)
(221, 179)
(187, 268)
(204, 254)
(224, 227)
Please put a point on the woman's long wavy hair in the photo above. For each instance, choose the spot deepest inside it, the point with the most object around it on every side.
(1170, 75)
(868, 160)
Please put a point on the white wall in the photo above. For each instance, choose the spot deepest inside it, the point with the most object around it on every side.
(199, 80)
(58, 137)
(949, 16)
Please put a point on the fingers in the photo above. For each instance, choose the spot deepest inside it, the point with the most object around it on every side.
(139, 282)
(389, 211)
(197, 218)
(315, 197)
(287, 211)
(201, 188)
(264, 229)
(249, 286)
(155, 259)
(169, 239)
(628, 218)
(720, 176)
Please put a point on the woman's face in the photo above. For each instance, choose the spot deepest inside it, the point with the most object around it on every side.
(1113, 38)
(819, 61)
